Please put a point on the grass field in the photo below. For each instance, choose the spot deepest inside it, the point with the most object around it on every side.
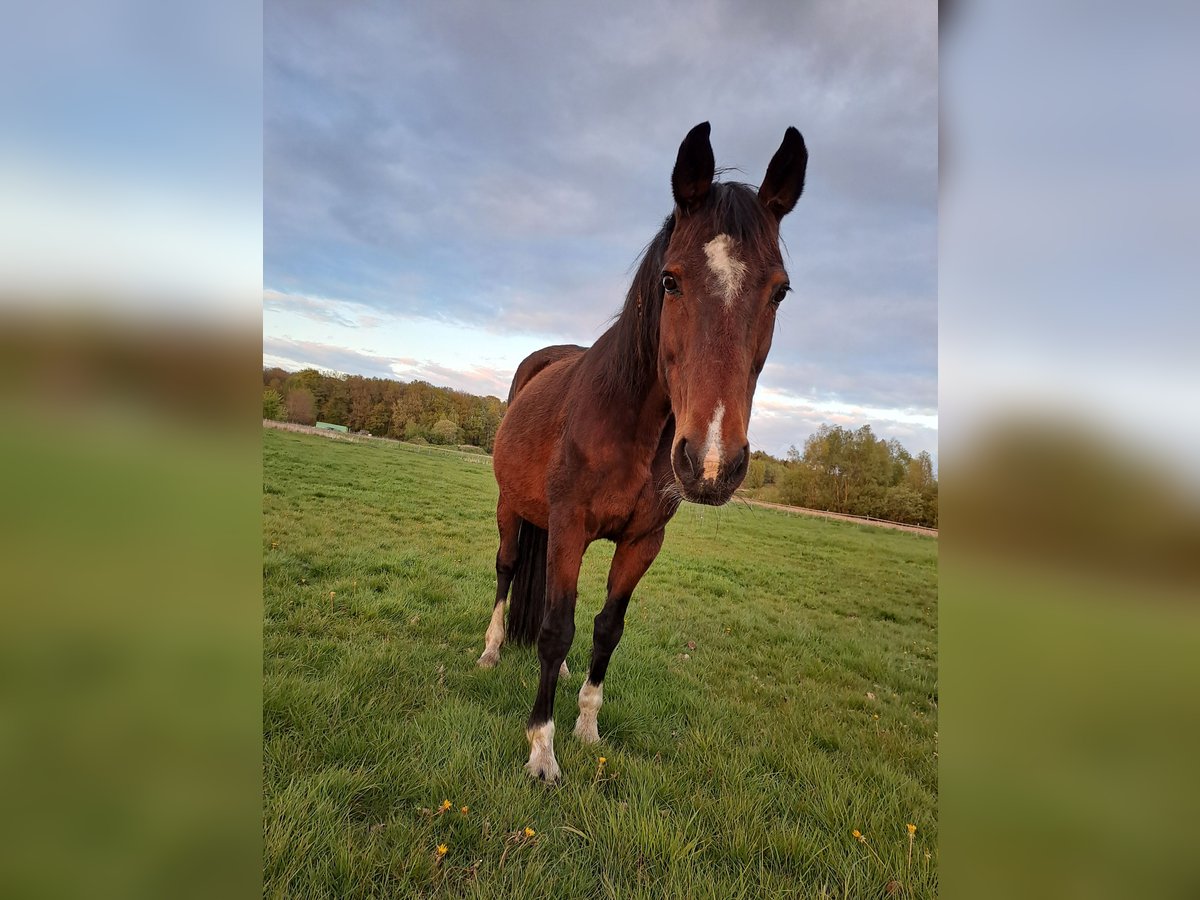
(739, 767)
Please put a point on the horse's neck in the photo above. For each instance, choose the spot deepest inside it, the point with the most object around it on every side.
(654, 409)
(635, 410)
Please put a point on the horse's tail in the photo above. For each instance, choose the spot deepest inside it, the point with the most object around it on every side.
(528, 602)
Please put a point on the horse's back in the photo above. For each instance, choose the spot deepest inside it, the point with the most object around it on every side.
(528, 437)
(537, 361)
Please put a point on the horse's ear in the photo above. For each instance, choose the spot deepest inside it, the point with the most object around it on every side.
(694, 169)
(785, 175)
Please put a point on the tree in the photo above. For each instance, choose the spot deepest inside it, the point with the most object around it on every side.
(312, 381)
(479, 427)
(301, 406)
(444, 432)
(378, 419)
(272, 405)
(755, 474)
(903, 504)
(796, 486)
(336, 406)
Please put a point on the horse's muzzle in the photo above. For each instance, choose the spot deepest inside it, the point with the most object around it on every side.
(690, 472)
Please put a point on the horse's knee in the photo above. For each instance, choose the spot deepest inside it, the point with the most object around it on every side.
(557, 634)
(607, 634)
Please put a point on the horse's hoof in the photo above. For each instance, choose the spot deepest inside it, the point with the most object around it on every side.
(489, 659)
(546, 772)
(586, 731)
(542, 764)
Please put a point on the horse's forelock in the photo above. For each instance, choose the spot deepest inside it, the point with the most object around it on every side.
(732, 208)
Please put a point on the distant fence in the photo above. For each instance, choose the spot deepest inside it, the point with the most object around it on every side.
(848, 517)
(480, 457)
(484, 459)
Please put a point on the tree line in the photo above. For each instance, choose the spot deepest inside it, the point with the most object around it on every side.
(839, 469)
(415, 411)
(850, 471)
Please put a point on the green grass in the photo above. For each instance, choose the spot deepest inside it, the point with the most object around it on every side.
(807, 709)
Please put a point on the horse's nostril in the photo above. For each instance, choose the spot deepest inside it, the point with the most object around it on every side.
(687, 464)
(737, 466)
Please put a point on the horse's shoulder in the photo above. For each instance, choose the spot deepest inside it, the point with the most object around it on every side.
(535, 362)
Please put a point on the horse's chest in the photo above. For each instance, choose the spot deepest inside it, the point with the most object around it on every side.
(608, 488)
(621, 503)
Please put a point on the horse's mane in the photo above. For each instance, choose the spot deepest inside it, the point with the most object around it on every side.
(631, 344)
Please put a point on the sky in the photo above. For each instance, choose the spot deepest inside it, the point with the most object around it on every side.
(449, 187)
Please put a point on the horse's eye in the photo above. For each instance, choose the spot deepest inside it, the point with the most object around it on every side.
(670, 285)
(780, 293)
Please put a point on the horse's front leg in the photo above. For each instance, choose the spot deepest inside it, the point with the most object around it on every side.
(629, 564)
(564, 554)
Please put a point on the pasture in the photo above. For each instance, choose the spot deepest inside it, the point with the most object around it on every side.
(775, 691)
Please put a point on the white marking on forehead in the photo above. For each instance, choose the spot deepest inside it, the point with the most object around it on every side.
(728, 270)
(712, 444)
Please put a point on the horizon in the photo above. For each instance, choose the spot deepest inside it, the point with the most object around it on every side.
(437, 208)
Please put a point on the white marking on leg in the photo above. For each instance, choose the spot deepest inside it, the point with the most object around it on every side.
(493, 639)
(727, 269)
(563, 671)
(542, 763)
(712, 444)
(591, 697)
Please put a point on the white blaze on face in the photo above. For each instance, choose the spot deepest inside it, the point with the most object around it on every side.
(711, 457)
(727, 269)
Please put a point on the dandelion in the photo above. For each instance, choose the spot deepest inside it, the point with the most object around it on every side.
(912, 829)
(862, 839)
(442, 850)
(912, 833)
(465, 810)
(444, 807)
(529, 832)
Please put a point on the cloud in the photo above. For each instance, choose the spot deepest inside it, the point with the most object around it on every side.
(321, 309)
(294, 355)
(502, 170)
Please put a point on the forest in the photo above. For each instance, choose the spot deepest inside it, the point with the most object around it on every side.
(839, 469)
(414, 411)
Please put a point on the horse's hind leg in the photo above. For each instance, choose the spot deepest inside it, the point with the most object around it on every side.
(506, 561)
(629, 564)
(564, 555)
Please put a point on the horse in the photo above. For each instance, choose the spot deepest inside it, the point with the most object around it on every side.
(605, 442)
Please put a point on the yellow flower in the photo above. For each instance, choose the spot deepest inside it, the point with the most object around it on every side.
(529, 832)
(858, 836)
(442, 849)
(445, 805)
(603, 760)
(912, 829)
(465, 810)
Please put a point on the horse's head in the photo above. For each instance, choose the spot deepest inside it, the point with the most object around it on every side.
(722, 280)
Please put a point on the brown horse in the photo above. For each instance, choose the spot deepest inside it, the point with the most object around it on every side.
(605, 442)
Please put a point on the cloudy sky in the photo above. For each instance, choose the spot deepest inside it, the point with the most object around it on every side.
(450, 186)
